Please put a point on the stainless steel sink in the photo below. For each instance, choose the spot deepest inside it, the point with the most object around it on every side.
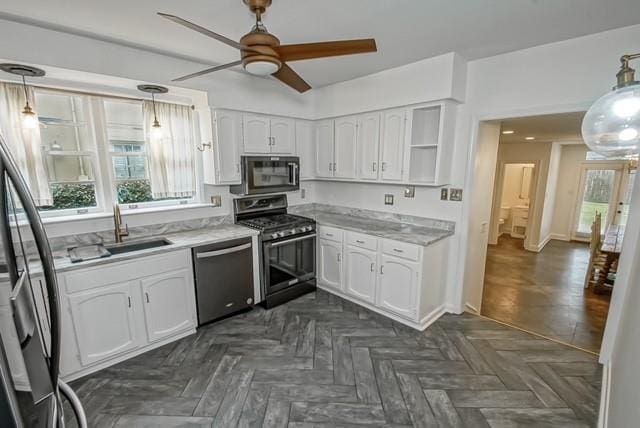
(129, 247)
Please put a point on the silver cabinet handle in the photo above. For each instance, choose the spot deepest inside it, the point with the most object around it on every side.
(381, 269)
(328, 234)
(335, 167)
(147, 296)
(373, 267)
(329, 166)
(223, 251)
(289, 241)
(129, 300)
(398, 250)
(373, 168)
(359, 241)
(384, 166)
(339, 257)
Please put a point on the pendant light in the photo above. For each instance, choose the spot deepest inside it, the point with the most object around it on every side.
(611, 127)
(29, 118)
(156, 128)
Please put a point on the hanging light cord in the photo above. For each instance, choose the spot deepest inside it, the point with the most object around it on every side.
(26, 95)
(155, 116)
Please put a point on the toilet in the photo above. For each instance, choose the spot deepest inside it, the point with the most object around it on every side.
(505, 212)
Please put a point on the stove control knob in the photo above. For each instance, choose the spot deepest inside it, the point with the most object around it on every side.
(274, 235)
(293, 231)
(280, 234)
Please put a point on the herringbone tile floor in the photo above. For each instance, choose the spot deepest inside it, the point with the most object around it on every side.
(321, 361)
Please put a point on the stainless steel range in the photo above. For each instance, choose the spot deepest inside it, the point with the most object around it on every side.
(288, 247)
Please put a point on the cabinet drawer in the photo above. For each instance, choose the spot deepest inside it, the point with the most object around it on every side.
(102, 275)
(363, 241)
(401, 249)
(331, 233)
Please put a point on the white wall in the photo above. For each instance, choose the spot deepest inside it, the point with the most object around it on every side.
(549, 196)
(567, 190)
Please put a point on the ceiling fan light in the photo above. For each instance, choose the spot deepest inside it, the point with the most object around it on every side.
(261, 68)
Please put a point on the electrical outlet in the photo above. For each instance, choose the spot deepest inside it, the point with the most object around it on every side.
(455, 195)
(388, 199)
(444, 194)
(303, 193)
(410, 191)
(216, 200)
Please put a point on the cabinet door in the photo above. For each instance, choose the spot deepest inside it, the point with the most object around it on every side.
(104, 322)
(368, 146)
(283, 135)
(324, 148)
(330, 264)
(393, 125)
(398, 286)
(168, 304)
(360, 273)
(228, 141)
(256, 133)
(346, 130)
(306, 149)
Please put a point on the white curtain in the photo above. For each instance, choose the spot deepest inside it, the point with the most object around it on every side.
(24, 144)
(171, 164)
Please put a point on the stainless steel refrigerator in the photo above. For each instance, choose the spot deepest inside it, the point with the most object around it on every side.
(31, 392)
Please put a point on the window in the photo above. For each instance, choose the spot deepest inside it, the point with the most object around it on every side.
(69, 150)
(95, 153)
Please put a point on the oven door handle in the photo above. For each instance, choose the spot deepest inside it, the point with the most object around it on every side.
(223, 251)
(289, 241)
(293, 169)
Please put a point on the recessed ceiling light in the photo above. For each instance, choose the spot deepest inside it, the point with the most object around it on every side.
(508, 132)
(530, 138)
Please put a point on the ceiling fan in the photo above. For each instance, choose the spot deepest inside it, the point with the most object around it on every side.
(262, 54)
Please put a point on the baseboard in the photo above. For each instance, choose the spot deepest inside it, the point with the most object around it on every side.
(560, 237)
(425, 322)
(605, 396)
(115, 360)
(540, 246)
(472, 308)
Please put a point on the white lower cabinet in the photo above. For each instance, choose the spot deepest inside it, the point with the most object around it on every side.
(104, 322)
(330, 263)
(108, 309)
(385, 275)
(360, 273)
(167, 305)
(398, 286)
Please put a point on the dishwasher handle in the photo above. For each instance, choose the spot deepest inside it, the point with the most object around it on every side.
(222, 252)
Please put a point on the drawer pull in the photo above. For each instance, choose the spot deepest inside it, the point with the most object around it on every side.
(373, 267)
(381, 270)
(397, 250)
(147, 296)
(129, 300)
(328, 234)
(359, 241)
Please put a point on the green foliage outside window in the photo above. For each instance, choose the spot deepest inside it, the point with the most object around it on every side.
(70, 196)
(134, 191)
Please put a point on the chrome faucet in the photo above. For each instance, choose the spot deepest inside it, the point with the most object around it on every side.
(117, 221)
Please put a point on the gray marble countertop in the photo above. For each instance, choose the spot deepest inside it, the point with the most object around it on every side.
(397, 231)
(179, 240)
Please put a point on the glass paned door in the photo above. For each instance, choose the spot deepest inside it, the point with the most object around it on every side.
(599, 186)
(622, 213)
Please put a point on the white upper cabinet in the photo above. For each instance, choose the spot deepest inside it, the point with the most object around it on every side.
(392, 158)
(104, 322)
(345, 146)
(361, 273)
(324, 137)
(283, 135)
(168, 303)
(257, 134)
(306, 149)
(264, 134)
(228, 140)
(368, 146)
(398, 286)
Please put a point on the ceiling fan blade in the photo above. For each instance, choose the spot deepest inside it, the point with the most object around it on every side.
(289, 77)
(325, 49)
(205, 31)
(208, 70)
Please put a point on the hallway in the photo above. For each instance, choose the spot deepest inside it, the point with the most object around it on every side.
(543, 292)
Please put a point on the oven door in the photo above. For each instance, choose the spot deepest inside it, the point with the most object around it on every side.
(271, 174)
(289, 261)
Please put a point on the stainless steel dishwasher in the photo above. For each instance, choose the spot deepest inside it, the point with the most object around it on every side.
(224, 278)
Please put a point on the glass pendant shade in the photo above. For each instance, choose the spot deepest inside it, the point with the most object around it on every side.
(29, 120)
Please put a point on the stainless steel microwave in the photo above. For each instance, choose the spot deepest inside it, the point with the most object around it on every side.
(268, 174)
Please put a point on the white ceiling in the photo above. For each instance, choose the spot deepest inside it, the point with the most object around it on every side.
(563, 127)
(405, 30)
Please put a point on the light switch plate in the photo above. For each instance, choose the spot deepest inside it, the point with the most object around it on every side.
(303, 193)
(444, 194)
(216, 200)
(388, 199)
(455, 195)
(410, 191)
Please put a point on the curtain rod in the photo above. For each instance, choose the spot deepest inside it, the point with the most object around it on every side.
(92, 94)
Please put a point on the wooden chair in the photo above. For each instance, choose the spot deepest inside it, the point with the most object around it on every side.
(597, 259)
